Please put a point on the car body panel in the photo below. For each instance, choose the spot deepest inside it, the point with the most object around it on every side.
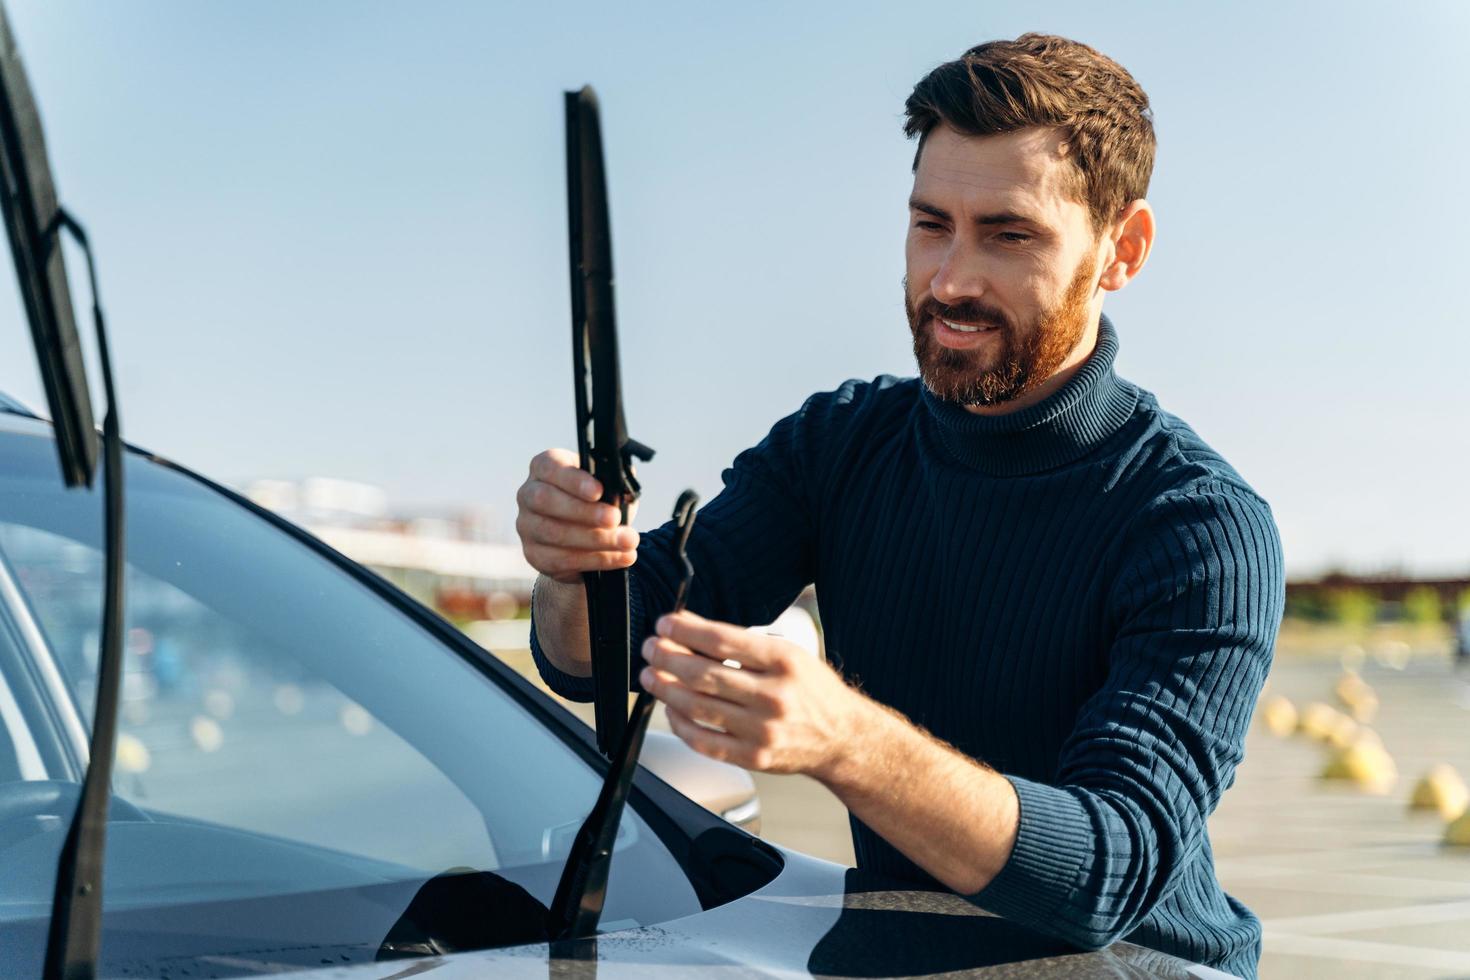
(816, 919)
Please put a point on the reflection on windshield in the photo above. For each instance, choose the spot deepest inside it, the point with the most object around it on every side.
(285, 730)
(218, 724)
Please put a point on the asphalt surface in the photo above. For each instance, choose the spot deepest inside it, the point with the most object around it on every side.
(1349, 884)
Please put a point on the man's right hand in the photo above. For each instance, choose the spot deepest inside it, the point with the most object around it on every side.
(565, 530)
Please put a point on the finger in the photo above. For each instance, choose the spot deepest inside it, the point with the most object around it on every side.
(722, 641)
(702, 674)
(559, 534)
(702, 708)
(560, 468)
(562, 561)
(716, 745)
(549, 500)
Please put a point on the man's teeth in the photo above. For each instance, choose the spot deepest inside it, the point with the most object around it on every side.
(964, 327)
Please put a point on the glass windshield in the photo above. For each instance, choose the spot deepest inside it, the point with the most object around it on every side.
(285, 731)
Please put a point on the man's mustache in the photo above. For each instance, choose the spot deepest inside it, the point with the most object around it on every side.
(969, 312)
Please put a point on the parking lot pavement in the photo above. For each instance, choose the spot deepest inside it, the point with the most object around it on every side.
(1348, 885)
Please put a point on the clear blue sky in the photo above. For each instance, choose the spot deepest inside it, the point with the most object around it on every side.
(332, 235)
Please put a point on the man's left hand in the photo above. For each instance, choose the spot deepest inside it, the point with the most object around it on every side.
(784, 710)
(781, 710)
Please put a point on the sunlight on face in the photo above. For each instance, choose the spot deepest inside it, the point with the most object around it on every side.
(1001, 260)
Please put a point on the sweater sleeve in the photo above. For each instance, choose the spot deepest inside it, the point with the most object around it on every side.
(1195, 609)
(753, 544)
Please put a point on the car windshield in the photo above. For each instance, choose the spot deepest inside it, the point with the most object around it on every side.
(292, 746)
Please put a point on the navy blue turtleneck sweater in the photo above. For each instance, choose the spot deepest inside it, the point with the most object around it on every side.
(1081, 595)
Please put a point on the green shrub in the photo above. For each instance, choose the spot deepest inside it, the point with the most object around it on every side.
(1352, 607)
(1422, 605)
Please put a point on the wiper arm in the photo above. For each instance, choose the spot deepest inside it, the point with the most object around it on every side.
(75, 939)
(582, 891)
(603, 444)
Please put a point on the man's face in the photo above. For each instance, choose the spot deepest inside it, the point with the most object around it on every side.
(1002, 265)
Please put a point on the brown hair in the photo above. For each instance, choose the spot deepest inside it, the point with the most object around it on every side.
(1045, 80)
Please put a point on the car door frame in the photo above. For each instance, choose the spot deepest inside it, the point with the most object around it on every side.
(34, 685)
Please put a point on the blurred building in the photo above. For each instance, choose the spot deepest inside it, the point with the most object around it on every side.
(445, 558)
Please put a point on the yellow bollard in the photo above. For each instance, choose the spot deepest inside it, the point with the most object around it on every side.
(1349, 685)
(1343, 733)
(1279, 716)
(1365, 709)
(1318, 721)
(1458, 832)
(1357, 695)
(1365, 763)
(1442, 790)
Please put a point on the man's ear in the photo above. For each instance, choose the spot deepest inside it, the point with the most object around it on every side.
(1132, 239)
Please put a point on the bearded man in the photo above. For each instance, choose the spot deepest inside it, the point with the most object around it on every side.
(1048, 605)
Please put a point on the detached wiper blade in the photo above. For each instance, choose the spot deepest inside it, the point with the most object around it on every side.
(34, 222)
(603, 444)
(582, 891)
(607, 453)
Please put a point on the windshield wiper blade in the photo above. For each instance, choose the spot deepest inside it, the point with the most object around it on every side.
(603, 445)
(34, 222)
(582, 891)
(605, 451)
(30, 212)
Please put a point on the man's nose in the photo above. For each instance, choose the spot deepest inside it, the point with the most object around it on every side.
(960, 276)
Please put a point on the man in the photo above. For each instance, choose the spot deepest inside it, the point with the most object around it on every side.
(1048, 605)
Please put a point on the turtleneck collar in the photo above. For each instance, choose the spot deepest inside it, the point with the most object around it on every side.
(1061, 428)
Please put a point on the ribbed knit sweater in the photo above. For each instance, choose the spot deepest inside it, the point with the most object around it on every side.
(1081, 595)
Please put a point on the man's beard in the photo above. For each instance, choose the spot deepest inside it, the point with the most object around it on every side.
(1025, 360)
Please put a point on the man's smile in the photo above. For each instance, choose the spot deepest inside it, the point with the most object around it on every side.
(965, 327)
(960, 335)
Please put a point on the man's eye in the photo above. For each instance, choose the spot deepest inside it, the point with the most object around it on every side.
(929, 225)
(1015, 237)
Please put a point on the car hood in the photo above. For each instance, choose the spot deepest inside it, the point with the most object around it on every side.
(814, 919)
